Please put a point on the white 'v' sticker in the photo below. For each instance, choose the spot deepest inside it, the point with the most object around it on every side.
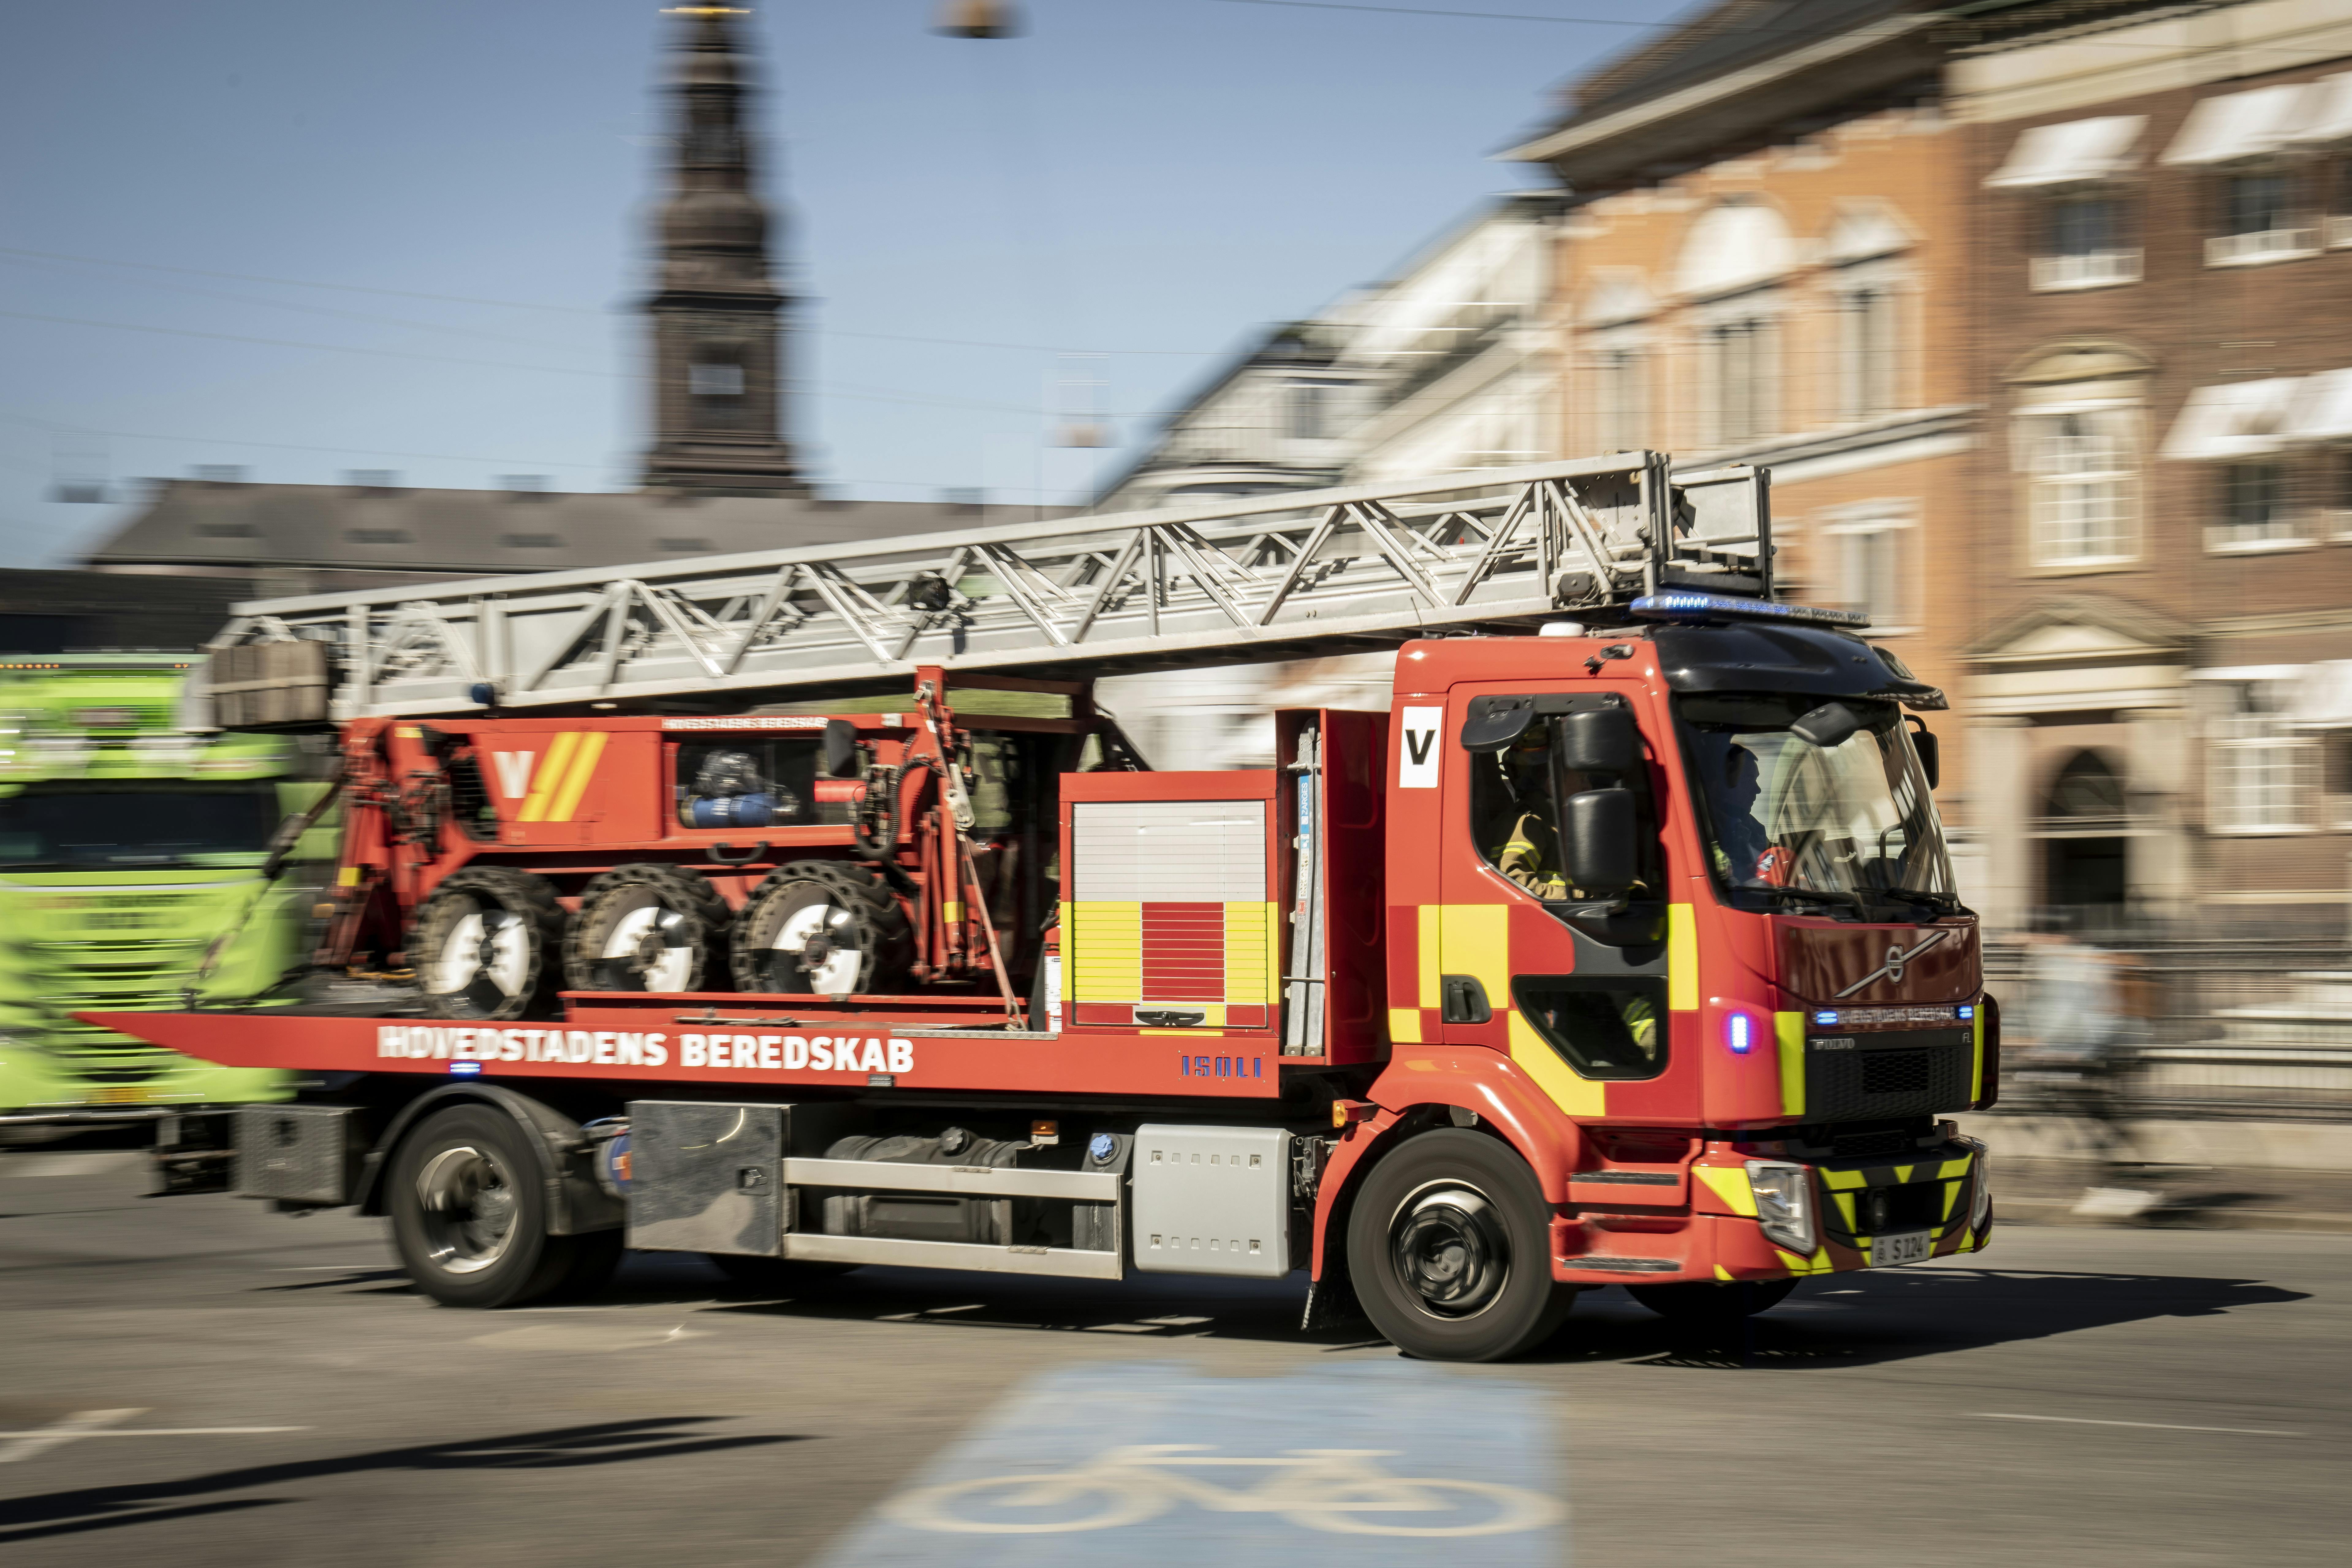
(514, 772)
(1417, 753)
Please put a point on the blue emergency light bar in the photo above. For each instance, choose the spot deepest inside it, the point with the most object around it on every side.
(1688, 607)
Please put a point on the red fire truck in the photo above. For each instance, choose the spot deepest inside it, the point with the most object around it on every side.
(1621, 949)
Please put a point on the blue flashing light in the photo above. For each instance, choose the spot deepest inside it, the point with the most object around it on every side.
(1736, 1030)
(1965, 1011)
(1827, 1018)
(1681, 605)
(465, 1070)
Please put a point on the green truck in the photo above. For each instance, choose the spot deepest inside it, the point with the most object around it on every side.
(127, 845)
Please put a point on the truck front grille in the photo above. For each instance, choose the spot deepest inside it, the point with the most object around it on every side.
(1883, 1075)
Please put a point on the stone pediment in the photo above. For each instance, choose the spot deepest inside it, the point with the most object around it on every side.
(2080, 629)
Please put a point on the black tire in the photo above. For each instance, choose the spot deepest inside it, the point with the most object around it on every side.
(820, 927)
(1449, 1246)
(782, 1275)
(1703, 1301)
(468, 1212)
(485, 944)
(647, 926)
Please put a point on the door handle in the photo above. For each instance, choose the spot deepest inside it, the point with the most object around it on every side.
(1466, 999)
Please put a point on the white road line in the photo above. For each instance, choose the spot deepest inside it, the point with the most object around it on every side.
(84, 1423)
(2156, 1425)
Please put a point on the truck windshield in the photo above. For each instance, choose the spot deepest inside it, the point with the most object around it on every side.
(1789, 822)
(66, 827)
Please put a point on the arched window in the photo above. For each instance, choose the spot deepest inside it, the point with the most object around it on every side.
(2087, 790)
(1729, 259)
(1870, 284)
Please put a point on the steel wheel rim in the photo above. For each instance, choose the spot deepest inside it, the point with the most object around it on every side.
(648, 948)
(831, 932)
(1450, 1249)
(469, 1209)
(486, 958)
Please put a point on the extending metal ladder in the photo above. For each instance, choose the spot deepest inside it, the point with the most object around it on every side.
(1266, 577)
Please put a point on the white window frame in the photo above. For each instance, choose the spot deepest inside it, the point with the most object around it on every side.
(1616, 428)
(2118, 407)
(2052, 271)
(1895, 519)
(2289, 528)
(2291, 241)
(2248, 746)
(1764, 313)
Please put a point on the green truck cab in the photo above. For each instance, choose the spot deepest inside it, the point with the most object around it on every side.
(127, 844)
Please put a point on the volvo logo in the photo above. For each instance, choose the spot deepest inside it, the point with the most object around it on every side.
(1895, 959)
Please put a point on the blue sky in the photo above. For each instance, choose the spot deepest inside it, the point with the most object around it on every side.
(1153, 178)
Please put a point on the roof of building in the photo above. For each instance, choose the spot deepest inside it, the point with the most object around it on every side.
(367, 537)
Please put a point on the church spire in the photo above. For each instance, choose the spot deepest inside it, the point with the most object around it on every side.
(718, 342)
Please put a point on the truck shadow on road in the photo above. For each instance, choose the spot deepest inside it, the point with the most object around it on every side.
(1848, 1320)
(561, 1448)
(1868, 1319)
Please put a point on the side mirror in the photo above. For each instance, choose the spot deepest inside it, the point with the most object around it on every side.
(840, 749)
(1601, 741)
(1931, 754)
(1597, 842)
(1830, 724)
(1494, 722)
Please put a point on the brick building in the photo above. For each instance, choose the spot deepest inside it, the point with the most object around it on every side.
(2161, 556)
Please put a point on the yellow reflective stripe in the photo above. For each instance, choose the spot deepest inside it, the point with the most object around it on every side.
(1102, 951)
(952, 909)
(575, 782)
(1682, 959)
(550, 776)
(350, 877)
(1721, 1272)
(1789, 1032)
(1845, 1202)
(1976, 1068)
(1432, 918)
(1845, 1179)
(1476, 939)
(1405, 1026)
(1730, 1183)
(1575, 1095)
(1951, 1196)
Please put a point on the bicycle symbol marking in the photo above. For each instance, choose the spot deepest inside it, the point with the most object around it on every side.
(1341, 1491)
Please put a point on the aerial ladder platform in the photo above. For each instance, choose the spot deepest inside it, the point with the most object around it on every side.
(1356, 567)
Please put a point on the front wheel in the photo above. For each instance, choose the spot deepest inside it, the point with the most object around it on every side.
(1450, 1248)
(469, 1212)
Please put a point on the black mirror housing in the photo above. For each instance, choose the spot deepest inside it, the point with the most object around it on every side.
(840, 749)
(1494, 722)
(1830, 724)
(1598, 741)
(1598, 842)
(1931, 753)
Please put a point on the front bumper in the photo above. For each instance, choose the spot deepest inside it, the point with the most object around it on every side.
(1718, 1236)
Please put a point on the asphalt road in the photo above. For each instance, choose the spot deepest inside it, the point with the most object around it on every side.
(200, 1382)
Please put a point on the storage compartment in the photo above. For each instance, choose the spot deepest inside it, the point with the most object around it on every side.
(1212, 1200)
(706, 1177)
(300, 1154)
(268, 685)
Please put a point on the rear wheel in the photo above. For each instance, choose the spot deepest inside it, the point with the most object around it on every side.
(647, 928)
(469, 1212)
(820, 926)
(1700, 1302)
(485, 944)
(1449, 1245)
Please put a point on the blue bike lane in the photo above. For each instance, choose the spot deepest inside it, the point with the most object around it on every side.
(1145, 1463)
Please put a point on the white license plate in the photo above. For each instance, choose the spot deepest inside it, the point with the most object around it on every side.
(1903, 1246)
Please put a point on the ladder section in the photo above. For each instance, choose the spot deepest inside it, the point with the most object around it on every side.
(1262, 578)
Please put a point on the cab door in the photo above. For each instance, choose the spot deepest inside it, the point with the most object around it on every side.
(1571, 988)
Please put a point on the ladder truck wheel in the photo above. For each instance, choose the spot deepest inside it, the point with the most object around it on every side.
(823, 927)
(1705, 1301)
(1449, 1245)
(485, 944)
(469, 1212)
(647, 926)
